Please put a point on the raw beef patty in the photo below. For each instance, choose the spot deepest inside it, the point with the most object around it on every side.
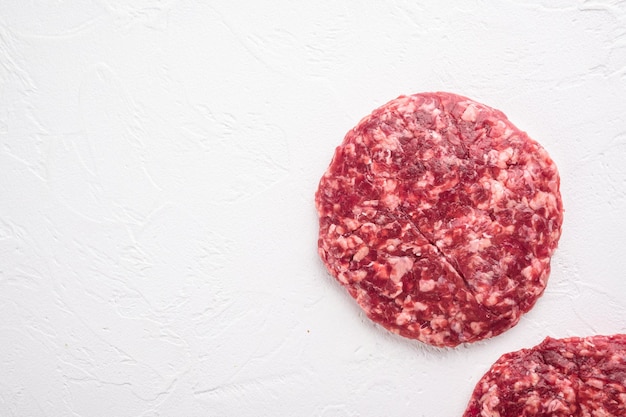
(576, 377)
(440, 217)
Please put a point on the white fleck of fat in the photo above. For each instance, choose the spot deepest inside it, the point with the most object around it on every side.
(527, 272)
(366, 228)
(556, 405)
(492, 401)
(427, 285)
(364, 211)
(427, 179)
(400, 265)
(538, 201)
(477, 245)
(493, 299)
(476, 327)
(442, 243)
(440, 124)
(391, 200)
(399, 287)
(456, 327)
(419, 306)
(470, 113)
(407, 107)
(390, 185)
(354, 241)
(509, 230)
(534, 400)
(370, 203)
(392, 244)
(521, 384)
(438, 322)
(542, 199)
(403, 318)
(535, 266)
(427, 154)
(390, 142)
(504, 157)
(497, 191)
(596, 383)
(358, 276)
(342, 242)
(414, 249)
(362, 297)
(350, 223)
(361, 253)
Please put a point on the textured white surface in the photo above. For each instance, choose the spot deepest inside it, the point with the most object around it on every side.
(157, 167)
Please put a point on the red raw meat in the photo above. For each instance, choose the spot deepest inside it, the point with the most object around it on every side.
(440, 217)
(575, 377)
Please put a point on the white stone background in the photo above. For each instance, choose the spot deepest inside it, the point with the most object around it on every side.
(158, 161)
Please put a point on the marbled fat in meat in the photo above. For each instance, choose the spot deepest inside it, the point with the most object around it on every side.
(439, 217)
(575, 377)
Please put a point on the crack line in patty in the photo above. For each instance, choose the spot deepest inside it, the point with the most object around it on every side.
(439, 251)
(403, 214)
(466, 157)
(448, 259)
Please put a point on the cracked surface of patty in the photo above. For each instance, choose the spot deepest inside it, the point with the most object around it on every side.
(574, 377)
(439, 217)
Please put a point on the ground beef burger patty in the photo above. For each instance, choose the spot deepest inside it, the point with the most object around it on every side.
(575, 377)
(439, 217)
